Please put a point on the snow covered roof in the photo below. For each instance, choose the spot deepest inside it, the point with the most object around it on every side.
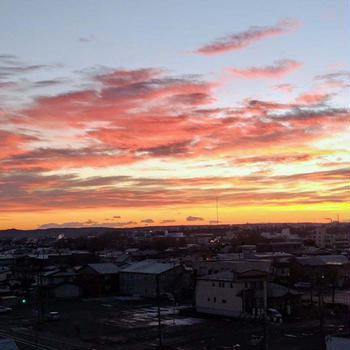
(319, 260)
(148, 266)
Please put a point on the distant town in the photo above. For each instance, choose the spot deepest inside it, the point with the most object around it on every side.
(267, 286)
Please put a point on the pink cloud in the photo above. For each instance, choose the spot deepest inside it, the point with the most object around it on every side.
(275, 71)
(285, 87)
(311, 98)
(238, 41)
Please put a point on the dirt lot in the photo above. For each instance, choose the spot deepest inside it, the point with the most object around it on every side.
(111, 323)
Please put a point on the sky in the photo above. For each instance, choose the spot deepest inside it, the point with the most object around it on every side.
(136, 113)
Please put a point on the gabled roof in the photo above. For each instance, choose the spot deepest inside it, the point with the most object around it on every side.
(333, 259)
(104, 268)
(275, 290)
(220, 276)
(319, 260)
(149, 267)
(58, 273)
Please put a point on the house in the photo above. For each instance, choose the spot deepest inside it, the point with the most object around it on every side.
(207, 267)
(334, 268)
(232, 293)
(99, 279)
(5, 273)
(143, 278)
(291, 247)
(55, 277)
(60, 283)
(284, 299)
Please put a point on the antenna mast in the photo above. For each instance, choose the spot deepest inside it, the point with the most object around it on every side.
(217, 211)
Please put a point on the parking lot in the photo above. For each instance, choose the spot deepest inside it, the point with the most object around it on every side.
(114, 323)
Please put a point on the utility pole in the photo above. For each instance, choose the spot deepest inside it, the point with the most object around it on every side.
(321, 313)
(160, 345)
(265, 345)
(244, 320)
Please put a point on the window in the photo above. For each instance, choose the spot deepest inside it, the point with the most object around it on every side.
(223, 301)
(231, 285)
(214, 299)
(208, 299)
(213, 284)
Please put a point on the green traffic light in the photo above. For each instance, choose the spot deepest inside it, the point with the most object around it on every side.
(24, 301)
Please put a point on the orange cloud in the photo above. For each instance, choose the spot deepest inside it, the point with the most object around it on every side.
(131, 116)
(275, 71)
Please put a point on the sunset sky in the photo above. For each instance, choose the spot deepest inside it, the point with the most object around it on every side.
(134, 113)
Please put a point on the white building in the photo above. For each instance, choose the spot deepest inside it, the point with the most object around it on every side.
(324, 239)
(232, 293)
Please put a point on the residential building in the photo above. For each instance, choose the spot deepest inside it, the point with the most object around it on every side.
(232, 293)
(99, 279)
(143, 278)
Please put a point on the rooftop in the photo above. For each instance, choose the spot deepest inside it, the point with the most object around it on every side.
(149, 266)
(104, 268)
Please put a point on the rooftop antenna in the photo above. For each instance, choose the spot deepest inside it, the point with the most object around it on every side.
(217, 211)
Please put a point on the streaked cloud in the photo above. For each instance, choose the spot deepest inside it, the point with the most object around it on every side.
(275, 71)
(238, 41)
(194, 218)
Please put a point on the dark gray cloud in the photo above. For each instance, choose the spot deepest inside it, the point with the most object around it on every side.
(147, 221)
(332, 76)
(127, 223)
(167, 221)
(194, 218)
(86, 39)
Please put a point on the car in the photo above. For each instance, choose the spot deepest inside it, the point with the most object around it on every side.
(255, 340)
(274, 315)
(302, 285)
(54, 316)
(5, 309)
(167, 296)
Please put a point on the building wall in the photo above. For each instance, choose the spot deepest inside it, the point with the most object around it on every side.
(211, 266)
(145, 284)
(66, 291)
(219, 298)
(138, 284)
(323, 239)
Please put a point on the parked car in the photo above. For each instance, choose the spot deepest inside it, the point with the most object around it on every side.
(54, 316)
(255, 340)
(302, 285)
(273, 315)
(167, 296)
(5, 309)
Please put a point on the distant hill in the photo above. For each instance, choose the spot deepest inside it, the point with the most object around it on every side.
(54, 232)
